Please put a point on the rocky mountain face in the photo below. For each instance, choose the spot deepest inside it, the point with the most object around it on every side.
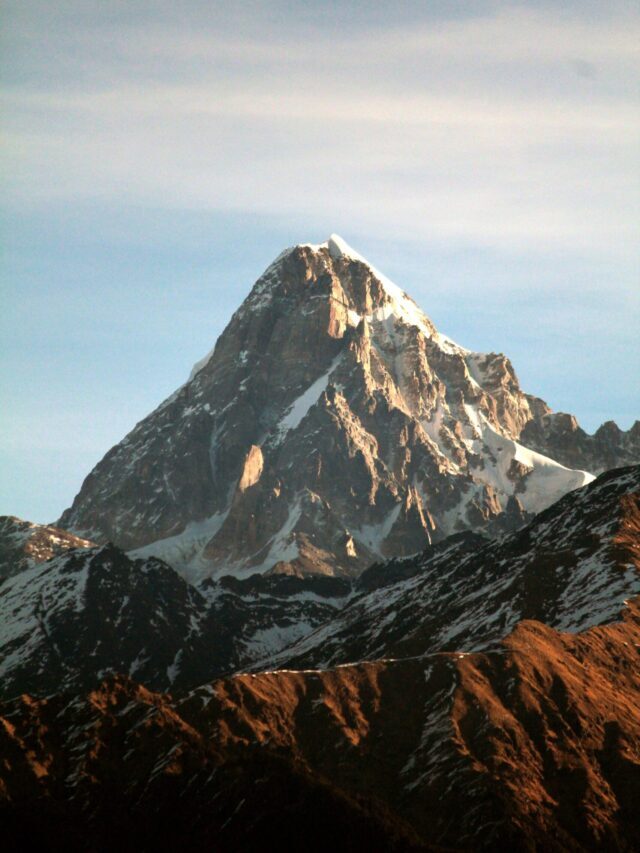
(572, 567)
(68, 622)
(332, 426)
(393, 609)
(531, 745)
(560, 436)
(482, 696)
(24, 544)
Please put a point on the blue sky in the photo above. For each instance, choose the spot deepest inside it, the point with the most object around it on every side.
(159, 155)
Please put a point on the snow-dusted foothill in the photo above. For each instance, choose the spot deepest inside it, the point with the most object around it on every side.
(68, 622)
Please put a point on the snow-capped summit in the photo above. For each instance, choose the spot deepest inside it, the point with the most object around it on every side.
(331, 425)
(339, 248)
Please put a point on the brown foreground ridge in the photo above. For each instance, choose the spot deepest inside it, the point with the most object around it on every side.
(533, 745)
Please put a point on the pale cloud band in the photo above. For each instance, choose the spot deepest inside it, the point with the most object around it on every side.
(514, 126)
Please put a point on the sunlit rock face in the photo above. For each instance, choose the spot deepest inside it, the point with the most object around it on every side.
(332, 425)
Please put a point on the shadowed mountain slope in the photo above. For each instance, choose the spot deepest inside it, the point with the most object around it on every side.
(67, 622)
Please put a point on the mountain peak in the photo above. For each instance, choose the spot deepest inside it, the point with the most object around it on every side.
(339, 248)
(336, 246)
(398, 303)
(331, 425)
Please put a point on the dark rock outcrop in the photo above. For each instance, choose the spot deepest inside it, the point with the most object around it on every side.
(24, 544)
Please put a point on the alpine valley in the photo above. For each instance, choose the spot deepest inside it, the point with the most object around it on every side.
(349, 588)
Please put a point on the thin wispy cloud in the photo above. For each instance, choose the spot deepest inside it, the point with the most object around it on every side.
(477, 129)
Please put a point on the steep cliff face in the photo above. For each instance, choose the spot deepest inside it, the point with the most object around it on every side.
(332, 425)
